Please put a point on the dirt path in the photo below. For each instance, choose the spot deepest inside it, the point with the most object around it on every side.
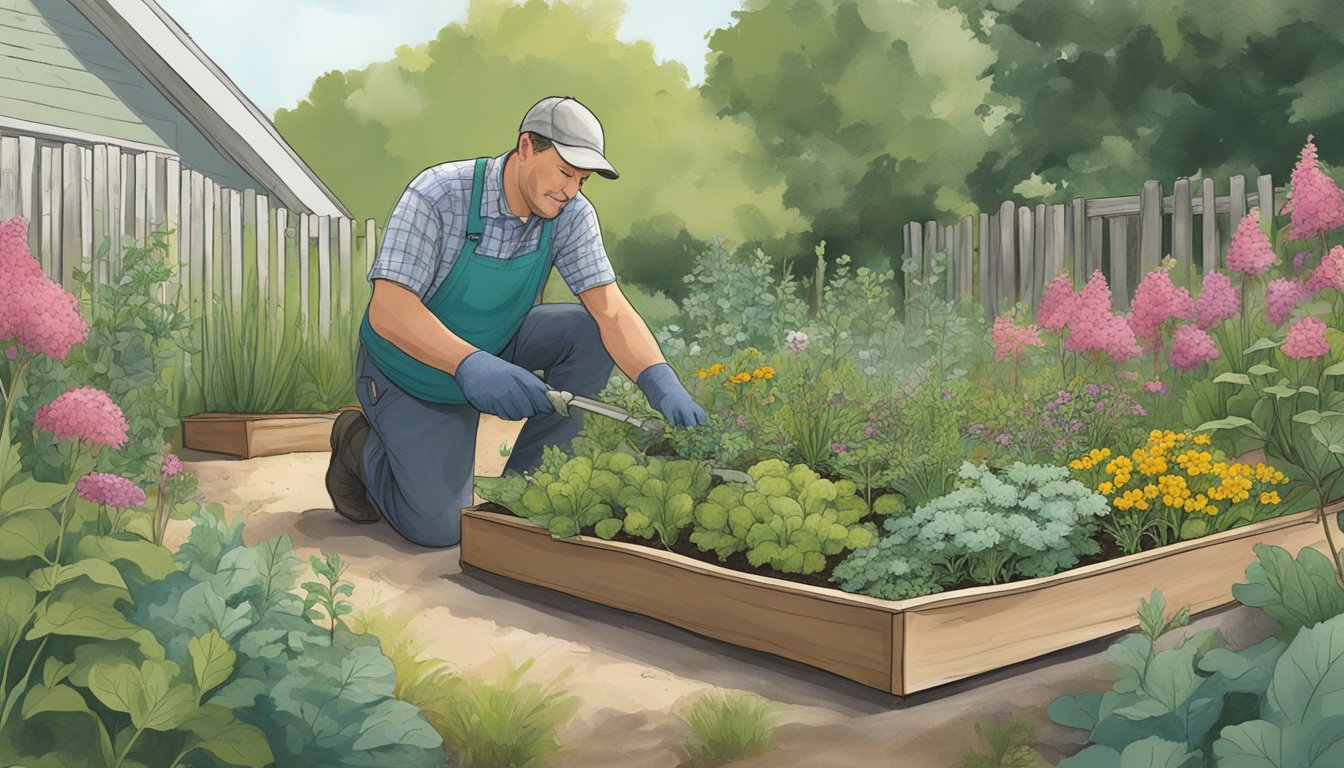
(634, 674)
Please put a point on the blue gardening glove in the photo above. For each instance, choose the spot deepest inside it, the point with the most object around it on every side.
(501, 388)
(665, 392)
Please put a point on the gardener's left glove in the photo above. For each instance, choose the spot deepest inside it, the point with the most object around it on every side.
(665, 392)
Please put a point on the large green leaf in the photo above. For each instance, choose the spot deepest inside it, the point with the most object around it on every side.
(1261, 744)
(1308, 682)
(68, 617)
(1232, 378)
(394, 722)
(97, 571)
(148, 693)
(17, 598)
(31, 533)
(211, 660)
(31, 494)
(221, 735)
(62, 698)
(1296, 593)
(154, 561)
(1231, 422)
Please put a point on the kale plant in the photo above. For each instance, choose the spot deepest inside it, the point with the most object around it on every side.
(1031, 522)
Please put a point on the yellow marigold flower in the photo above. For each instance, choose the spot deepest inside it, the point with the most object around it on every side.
(1106, 489)
(1121, 479)
(1180, 436)
(1155, 434)
(1123, 503)
(1150, 491)
(716, 369)
(1210, 510)
(767, 372)
(1269, 497)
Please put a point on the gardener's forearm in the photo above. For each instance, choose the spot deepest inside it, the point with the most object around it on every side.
(624, 333)
(397, 314)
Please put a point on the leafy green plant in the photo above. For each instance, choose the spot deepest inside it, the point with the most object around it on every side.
(1153, 621)
(792, 520)
(579, 494)
(1201, 703)
(1007, 745)
(327, 596)
(506, 721)
(728, 727)
(1296, 593)
(1033, 521)
(659, 497)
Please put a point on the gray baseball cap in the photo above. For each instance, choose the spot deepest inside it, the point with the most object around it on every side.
(573, 129)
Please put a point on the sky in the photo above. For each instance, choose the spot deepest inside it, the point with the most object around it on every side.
(274, 49)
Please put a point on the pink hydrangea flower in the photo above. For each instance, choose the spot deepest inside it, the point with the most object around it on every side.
(172, 465)
(1010, 339)
(1156, 301)
(1094, 299)
(1056, 304)
(109, 490)
(38, 313)
(1329, 273)
(1281, 297)
(1250, 252)
(1306, 340)
(1155, 387)
(1314, 200)
(87, 414)
(1217, 300)
(1191, 346)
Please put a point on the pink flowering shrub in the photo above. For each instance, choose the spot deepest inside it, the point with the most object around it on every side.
(1094, 328)
(1329, 273)
(1156, 301)
(86, 414)
(1056, 304)
(1281, 297)
(1011, 339)
(1250, 253)
(1314, 200)
(1217, 300)
(1306, 340)
(1191, 345)
(110, 490)
(36, 312)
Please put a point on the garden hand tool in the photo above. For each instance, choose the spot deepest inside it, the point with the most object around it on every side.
(563, 401)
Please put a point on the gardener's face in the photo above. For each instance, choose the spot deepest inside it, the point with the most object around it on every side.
(548, 182)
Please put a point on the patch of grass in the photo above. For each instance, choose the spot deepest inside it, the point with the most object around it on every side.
(728, 727)
(1008, 744)
(427, 683)
(505, 449)
(506, 721)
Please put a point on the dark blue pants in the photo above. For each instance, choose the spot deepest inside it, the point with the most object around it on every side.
(419, 456)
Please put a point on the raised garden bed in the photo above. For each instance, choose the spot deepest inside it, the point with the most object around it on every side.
(896, 646)
(248, 435)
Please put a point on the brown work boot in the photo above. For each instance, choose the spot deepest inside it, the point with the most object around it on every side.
(345, 483)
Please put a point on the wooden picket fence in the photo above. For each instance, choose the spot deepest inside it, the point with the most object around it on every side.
(1010, 255)
(76, 195)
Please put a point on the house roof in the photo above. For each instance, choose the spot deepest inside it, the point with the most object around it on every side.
(167, 55)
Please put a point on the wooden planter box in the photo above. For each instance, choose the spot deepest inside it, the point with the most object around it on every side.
(896, 646)
(253, 434)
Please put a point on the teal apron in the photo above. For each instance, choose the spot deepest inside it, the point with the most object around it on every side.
(483, 301)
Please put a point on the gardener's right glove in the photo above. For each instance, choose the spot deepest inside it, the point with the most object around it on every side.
(501, 388)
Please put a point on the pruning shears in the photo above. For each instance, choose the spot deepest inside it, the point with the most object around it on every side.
(563, 401)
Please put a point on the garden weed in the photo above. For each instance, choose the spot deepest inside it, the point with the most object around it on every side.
(728, 727)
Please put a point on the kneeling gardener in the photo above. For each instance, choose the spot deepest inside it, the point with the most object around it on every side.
(452, 332)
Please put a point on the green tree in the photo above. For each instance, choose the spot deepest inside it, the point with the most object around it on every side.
(368, 132)
(872, 110)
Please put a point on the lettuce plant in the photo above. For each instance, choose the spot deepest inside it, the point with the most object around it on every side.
(1031, 522)
(792, 520)
(659, 497)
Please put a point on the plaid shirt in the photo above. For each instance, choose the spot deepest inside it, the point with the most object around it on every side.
(426, 230)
